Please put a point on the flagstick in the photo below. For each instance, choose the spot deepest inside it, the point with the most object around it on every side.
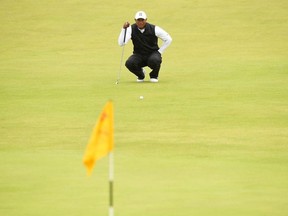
(111, 179)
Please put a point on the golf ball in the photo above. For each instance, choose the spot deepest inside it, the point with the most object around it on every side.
(141, 97)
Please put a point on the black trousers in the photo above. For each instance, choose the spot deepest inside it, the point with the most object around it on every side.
(136, 62)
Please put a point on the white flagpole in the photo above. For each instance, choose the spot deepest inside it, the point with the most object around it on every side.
(111, 181)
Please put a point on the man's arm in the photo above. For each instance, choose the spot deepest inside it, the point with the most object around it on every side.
(121, 41)
(164, 36)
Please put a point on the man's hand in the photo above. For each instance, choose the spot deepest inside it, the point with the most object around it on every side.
(126, 25)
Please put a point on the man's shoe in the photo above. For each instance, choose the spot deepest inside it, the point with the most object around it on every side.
(144, 72)
(154, 80)
(142, 80)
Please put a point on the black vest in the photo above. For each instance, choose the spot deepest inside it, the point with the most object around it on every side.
(144, 43)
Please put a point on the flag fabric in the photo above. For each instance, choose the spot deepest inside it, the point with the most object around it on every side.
(102, 138)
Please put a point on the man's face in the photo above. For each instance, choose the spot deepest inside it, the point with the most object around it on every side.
(141, 23)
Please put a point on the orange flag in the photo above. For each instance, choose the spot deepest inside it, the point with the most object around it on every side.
(102, 140)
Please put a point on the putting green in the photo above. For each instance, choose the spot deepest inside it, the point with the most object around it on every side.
(209, 139)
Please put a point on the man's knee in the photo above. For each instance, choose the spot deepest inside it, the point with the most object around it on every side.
(155, 60)
(130, 64)
(133, 62)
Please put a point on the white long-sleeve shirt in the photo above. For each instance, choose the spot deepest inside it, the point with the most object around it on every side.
(159, 32)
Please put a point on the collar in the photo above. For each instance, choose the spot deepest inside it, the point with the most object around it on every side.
(141, 30)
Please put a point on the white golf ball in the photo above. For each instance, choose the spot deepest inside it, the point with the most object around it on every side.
(141, 97)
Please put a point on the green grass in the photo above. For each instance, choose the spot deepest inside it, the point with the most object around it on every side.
(209, 139)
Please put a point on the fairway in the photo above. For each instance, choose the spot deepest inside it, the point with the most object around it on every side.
(210, 139)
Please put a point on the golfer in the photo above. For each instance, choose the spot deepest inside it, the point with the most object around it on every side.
(146, 50)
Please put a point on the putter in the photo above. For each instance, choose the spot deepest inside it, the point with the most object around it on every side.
(121, 61)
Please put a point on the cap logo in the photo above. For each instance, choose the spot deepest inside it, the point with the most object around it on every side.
(140, 14)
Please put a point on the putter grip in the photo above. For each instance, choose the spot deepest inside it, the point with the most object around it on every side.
(125, 35)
